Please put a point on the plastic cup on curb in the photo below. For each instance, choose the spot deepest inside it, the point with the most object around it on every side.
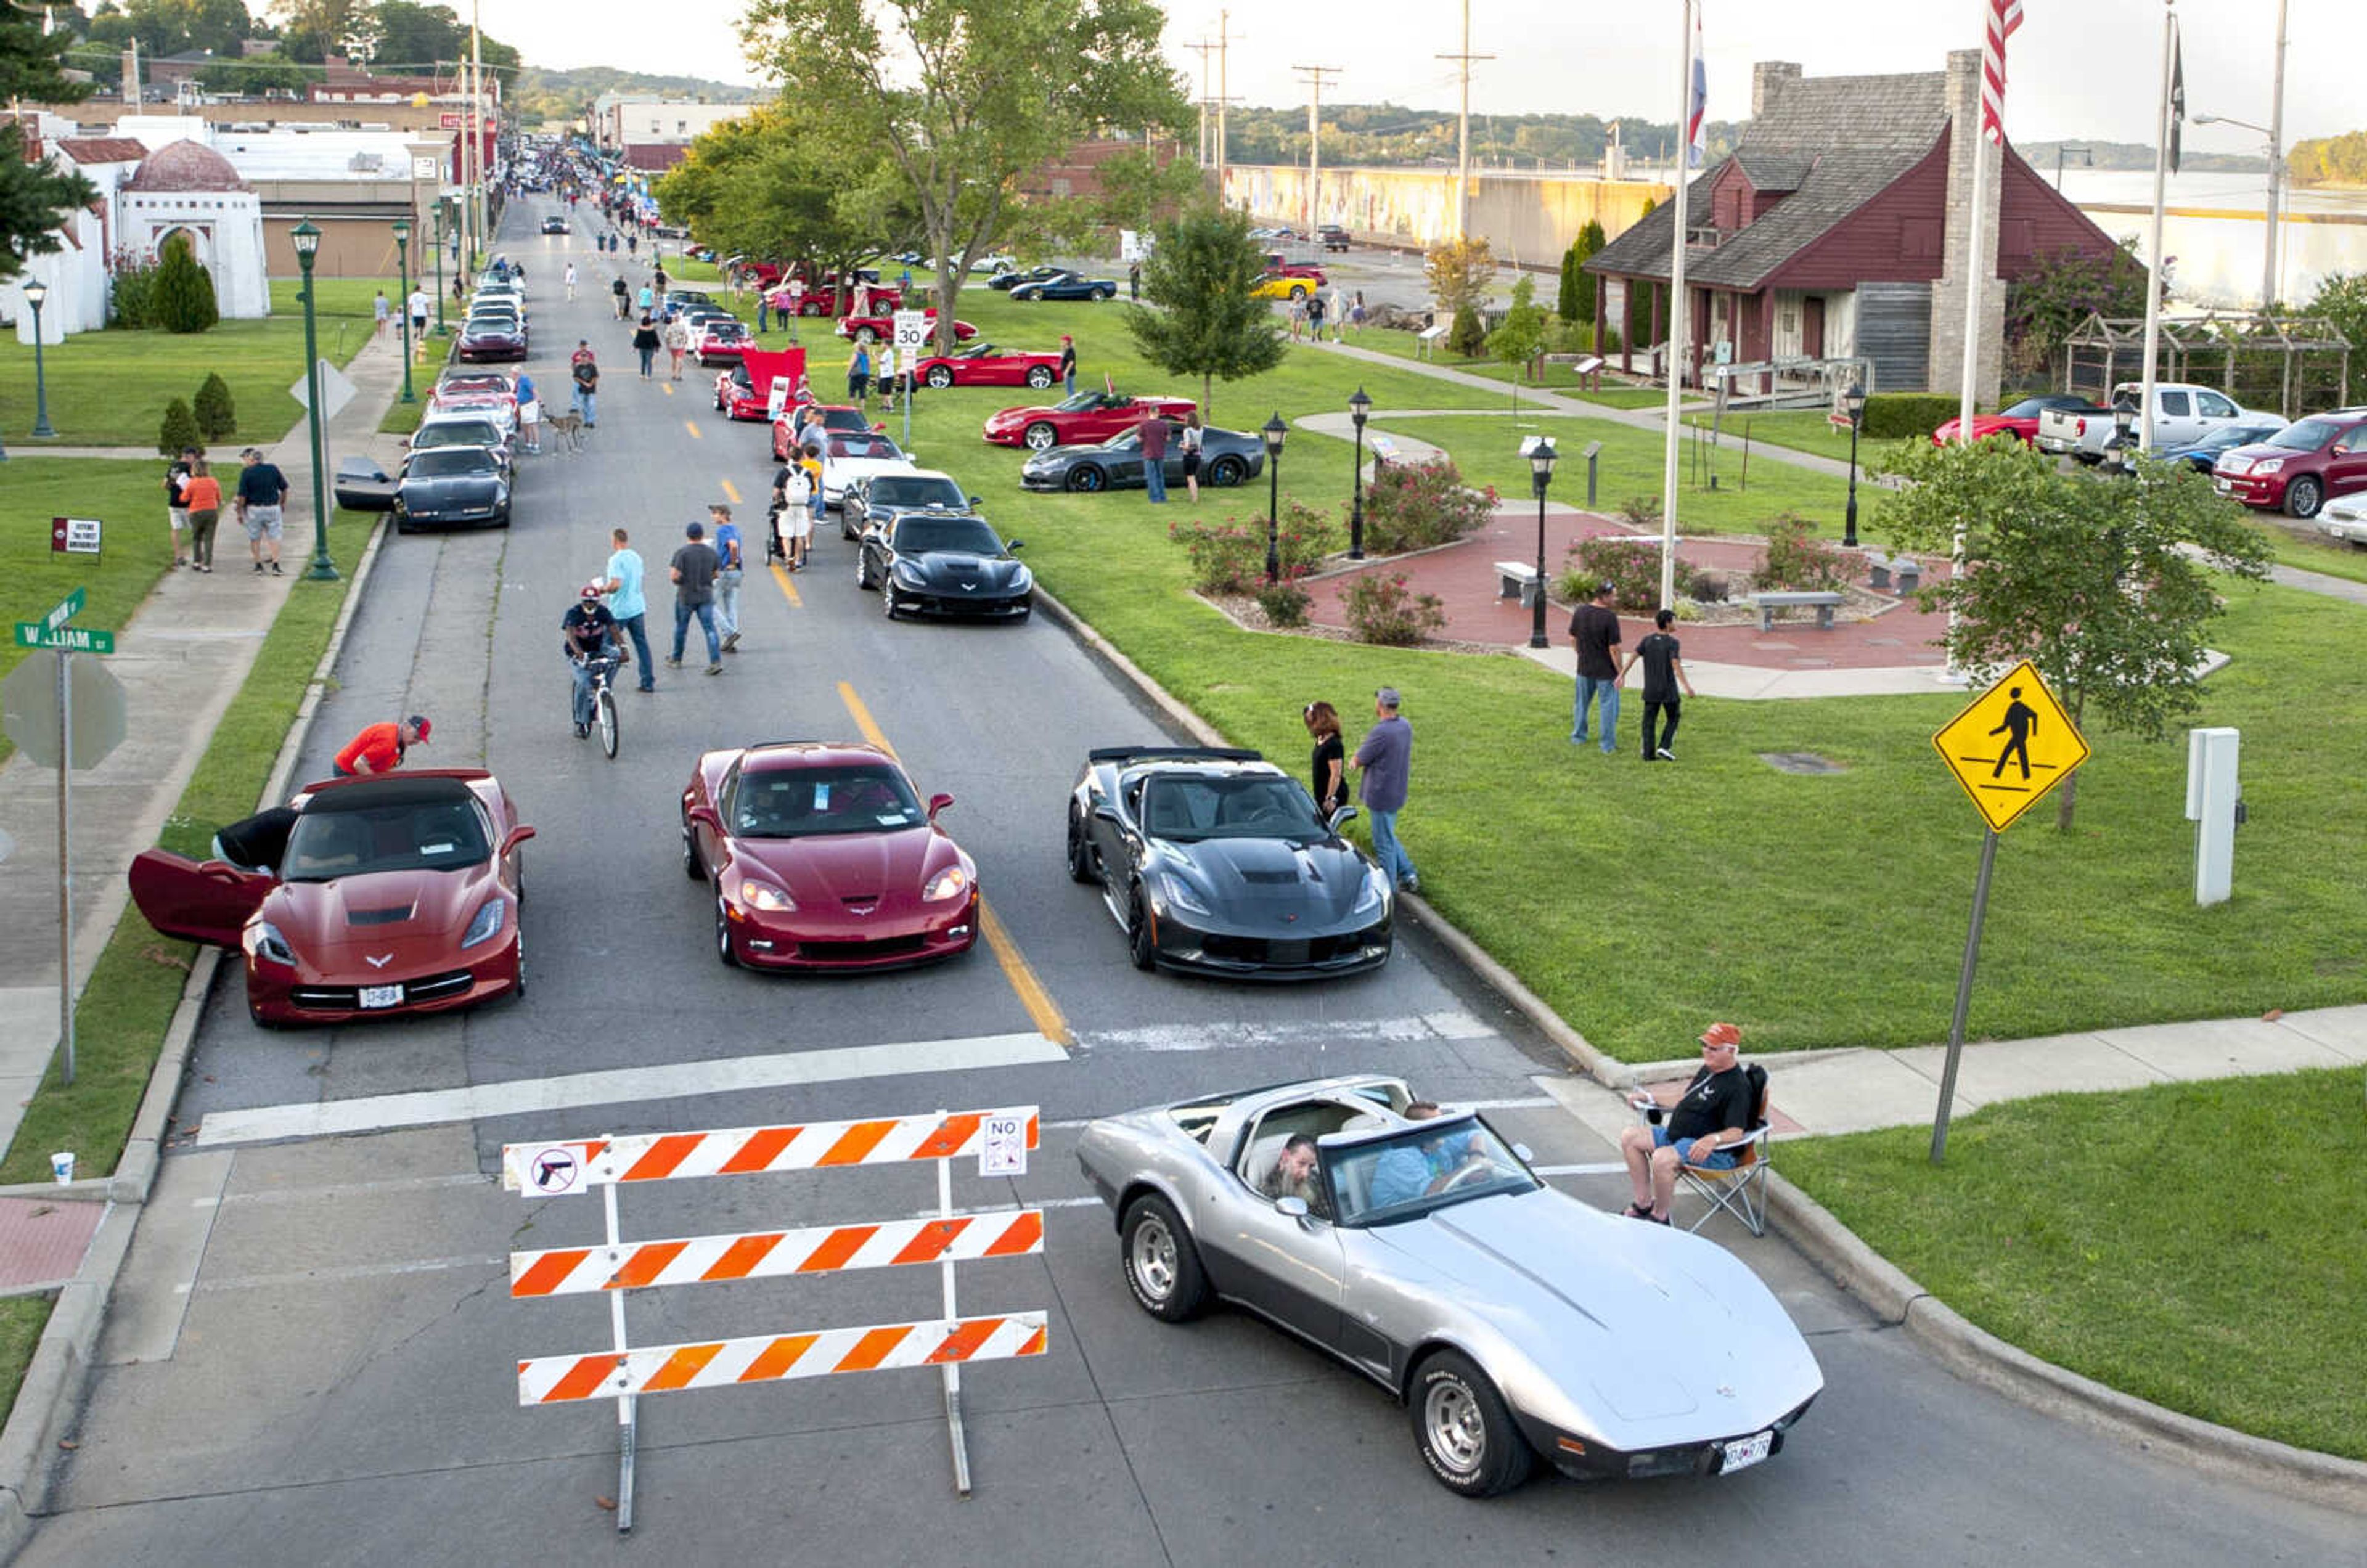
(61, 1166)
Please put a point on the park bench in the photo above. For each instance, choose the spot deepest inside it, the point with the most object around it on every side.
(1824, 604)
(1879, 567)
(1516, 580)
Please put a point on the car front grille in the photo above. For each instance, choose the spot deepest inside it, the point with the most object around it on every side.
(862, 951)
(347, 998)
(1284, 951)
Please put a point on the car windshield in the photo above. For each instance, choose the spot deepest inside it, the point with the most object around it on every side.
(974, 351)
(418, 835)
(1079, 403)
(2306, 436)
(2031, 408)
(916, 490)
(878, 447)
(453, 461)
(1184, 808)
(967, 535)
(458, 433)
(1427, 1168)
(2231, 436)
(797, 803)
(844, 418)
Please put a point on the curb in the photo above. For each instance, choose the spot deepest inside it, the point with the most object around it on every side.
(1979, 1356)
(50, 1396)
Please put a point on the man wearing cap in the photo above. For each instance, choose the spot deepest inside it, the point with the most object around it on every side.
(1594, 629)
(379, 748)
(1713, 1112)
(1069, 364)
(587, 631)
(693, 569)
(1386, 757)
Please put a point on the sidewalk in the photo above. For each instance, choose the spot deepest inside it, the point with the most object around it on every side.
(184, 656)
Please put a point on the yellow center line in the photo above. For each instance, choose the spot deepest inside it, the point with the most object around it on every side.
(731, 493)
(667, 387)
(789, 589)
(691, 426)
(1016, 967)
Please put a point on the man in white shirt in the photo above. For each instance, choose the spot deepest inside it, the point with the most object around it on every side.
(571, 280)
(420, 305)
(883, 368)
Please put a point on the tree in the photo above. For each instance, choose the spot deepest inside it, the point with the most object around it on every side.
(216, 413)
(1200, 273)
(401, 36)
(2103, 582)
(1576, 302)
(2061, 289)
(312, 29)
(1460, 273)
(254, 74)
(2341, 299)
(178, 431)
(34, 197)
(966, 96)
(184, 298)
(1521, 335)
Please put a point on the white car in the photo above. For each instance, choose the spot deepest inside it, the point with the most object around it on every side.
(2346, 520)
(988, 265)
(848, 459)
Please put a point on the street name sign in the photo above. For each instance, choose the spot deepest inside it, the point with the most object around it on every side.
(65, 610)
(72, 639)
(2012, 745)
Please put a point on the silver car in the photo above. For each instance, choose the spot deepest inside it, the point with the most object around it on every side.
(1514, 1320)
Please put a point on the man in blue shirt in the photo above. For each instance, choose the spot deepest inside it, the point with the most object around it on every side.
(724, 535)
(1385, 758)
(626, 604)
(1416, 1167)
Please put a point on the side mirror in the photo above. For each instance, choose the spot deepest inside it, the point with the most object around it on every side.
(518, 836)
(704, 816)
(1293, 1208)
(1342, 817)
(974, 500)
(1016, 545)
(1523, 1151)
(1105, 811)
(939, 803)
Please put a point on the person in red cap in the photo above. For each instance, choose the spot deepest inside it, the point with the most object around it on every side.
(1714, 1111)
(379, 749)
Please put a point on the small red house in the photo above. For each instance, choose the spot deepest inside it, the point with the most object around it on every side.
(1836, 231)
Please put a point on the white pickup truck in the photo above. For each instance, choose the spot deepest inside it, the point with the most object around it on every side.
(2183, 415)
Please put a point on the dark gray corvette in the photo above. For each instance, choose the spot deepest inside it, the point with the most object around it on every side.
(1214, 859)
(445, 486)
(944, 563)
(1226, 458)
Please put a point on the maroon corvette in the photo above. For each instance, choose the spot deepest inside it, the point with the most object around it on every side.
(983, 364)
(1080, 420)
(395, 893)
(821, 856)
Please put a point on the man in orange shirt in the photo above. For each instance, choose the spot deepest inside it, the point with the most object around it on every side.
(379, 749)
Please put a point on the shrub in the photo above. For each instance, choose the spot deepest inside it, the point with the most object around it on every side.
(1632, 567)
(1707, 587)
(184, 294)
(1387, 609)
(1468, 337)
(217, 414)
(1304, 538)
(1889, 415)
(1642, 511)
(135, 292)
(1226, 557)
(1794, 561)
(1284, 603)
(179, 429)
(1411, 506)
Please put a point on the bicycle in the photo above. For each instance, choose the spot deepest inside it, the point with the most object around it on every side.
(603, 701)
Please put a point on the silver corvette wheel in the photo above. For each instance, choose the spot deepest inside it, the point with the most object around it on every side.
(1163, 1267)
(1467, 1437)
(1152, 1253)
(1451, 1422)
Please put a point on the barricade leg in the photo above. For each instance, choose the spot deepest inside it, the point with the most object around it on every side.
(626, 1414)
(952, 1370)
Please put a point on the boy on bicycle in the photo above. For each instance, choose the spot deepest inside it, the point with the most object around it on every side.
(587, 632)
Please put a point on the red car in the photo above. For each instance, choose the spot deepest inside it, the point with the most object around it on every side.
(395, 893)
(829, 300)
(1275, 266)
(720, 340)
(745, 392)
(879, 326)
(983, 364)
(1080, 421)
(2021, 420)
(821, 856)
(837, 419)
(2301, 467)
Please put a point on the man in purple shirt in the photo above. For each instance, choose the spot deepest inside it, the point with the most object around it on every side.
(1153, 431)
(1385, 758)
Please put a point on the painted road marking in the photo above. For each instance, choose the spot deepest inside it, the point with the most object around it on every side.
(1452, 1025)
(1525, 1102)
(1016, 967)
(731, 491)
(667, 386)
(788, 588)
(692, 425)
(521, 1097)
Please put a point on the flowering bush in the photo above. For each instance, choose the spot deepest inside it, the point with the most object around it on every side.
(1794, 561)
(1632, 567)
(1387, 609)
(1284, 603)
(1411, 506)
(1229, 556)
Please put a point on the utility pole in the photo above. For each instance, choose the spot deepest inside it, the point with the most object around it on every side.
(1313, 76)
(477, 133)
(1224, 96)
(1204, 48)
(2269, 278)
(1463, 129)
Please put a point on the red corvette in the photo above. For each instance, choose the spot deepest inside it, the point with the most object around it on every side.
(821, 856)
(395, 893)
(829, 300)
(721, 340)
(745, 392)
(2019, 421)
(1080, 421)
(879, 326)
(837, 419)
(983, 364)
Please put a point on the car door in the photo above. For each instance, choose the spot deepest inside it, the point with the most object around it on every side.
(1122, 459)
(2214, 413)
(209, 903)
(2177, 426)
(1114, 833)
(2346, 468)
(1289, 1266)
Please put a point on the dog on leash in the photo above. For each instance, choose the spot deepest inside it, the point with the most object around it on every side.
(567, 427)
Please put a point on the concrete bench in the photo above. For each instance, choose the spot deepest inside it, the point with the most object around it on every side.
(1516, 580)
(1879, 567)
(1824, 604)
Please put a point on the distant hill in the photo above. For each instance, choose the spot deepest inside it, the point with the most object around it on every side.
(554, 96)
(2040, 155)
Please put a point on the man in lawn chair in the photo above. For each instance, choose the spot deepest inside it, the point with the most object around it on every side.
(1713, 1116)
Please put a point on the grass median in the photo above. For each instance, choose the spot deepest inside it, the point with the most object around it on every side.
(2185, 1243)
(136, 983)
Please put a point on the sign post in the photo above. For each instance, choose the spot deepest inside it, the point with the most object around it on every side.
(2003, 778)
(911, 329)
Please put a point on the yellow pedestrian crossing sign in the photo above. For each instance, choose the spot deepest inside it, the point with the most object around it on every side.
(2010, 747)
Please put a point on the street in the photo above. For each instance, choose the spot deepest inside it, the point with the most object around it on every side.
(311, 1357)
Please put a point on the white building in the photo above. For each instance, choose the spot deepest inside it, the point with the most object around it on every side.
(623, 121)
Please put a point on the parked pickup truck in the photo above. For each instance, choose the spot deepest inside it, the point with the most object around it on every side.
(2183, 414)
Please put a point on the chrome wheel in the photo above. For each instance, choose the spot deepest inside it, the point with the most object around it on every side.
(1042, 437)
(1163, 1267)
(1151, 1254)
(1453, 1427)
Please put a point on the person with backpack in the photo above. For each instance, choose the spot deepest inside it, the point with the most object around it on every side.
(1715, 1112)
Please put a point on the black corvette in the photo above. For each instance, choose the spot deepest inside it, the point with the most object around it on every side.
(1226, 458)
(944, 563)
(1007, 281)
(452, 485)
(1214, 859)
(1066, 286)
(883, 498)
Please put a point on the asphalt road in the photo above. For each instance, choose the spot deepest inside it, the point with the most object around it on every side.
(310, 1359)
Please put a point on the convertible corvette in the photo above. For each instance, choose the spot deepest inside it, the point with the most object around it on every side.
(1213, 859)
(944, 563)
(880, 325)
(983, 364)
(721, 340)
(1006, 281)
(492, 334)
(821, 856)
(1088, 416)
(1226, 458)
(397, 894)
(1066, 284)
(1512, 1320)
(837, 419)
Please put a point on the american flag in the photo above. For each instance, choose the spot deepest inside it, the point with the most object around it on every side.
(1697, 101)
(2004, 16)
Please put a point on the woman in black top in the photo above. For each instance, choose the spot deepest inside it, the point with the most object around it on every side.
(645, 342)
(1329, 784)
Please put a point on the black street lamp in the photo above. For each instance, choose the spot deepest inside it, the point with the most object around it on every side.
(439, 267)
(35, 293)
(1359, 408)
(1542, 456)
(1853, 402)
(402, 272)
(308, 243)
(1274, 430)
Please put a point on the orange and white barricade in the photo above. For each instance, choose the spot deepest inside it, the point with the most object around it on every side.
(999, 1139)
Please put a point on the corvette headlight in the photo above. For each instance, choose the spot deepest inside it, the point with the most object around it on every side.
(1022, 581)
(264, 942)
(909, 575)
(950, 883)
(2269, 466)
(764, 896)
(1375, 893)
(1179, 893)
(486, 926)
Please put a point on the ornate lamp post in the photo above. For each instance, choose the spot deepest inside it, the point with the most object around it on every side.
(35, 293)
(1359, 408)
(403, 271)
(1274, 430)
(439, 267)
(1542, 456)
(1853, 402)
(308, 243)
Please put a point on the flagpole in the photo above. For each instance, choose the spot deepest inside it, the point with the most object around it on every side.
(1680, 331)
(1976, 292)
(2153, 247)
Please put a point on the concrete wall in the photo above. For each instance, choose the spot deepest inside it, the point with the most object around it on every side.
(1529, 218)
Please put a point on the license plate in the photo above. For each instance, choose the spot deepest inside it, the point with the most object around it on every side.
(1744, 1453)
(392, 997)
(2221, 486)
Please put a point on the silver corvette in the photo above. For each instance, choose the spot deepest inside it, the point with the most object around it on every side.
(1514, 1320)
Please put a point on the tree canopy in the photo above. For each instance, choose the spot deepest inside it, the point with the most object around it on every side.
(34, 197)
(1200, 273)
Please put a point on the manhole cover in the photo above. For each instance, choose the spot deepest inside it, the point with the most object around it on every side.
(1800, 762)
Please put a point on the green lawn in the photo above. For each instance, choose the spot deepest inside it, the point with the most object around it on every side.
(22, 1319)
(2190, 1244)
(1559, 378)
(2301, 545)
(109, 388)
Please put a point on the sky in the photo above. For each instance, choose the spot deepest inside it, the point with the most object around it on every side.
(2081, 69)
